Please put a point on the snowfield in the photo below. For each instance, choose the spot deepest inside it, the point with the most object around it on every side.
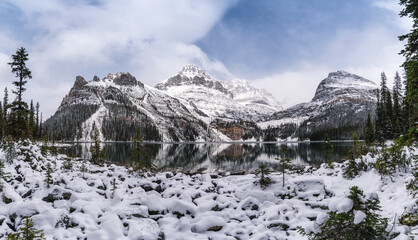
(85, 205)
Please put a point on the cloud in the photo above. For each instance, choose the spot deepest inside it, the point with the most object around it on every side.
(150, 39)
(365, 50)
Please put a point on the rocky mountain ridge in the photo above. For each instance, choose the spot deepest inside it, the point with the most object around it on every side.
(191, 106)
(341, 102)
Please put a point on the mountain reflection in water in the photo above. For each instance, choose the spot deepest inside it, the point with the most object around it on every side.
(216, 157)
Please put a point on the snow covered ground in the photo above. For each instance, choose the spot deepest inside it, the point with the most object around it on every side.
(83, 205)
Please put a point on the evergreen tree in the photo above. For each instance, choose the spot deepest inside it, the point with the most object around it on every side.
(97, 154)
(354, 167)
(397, 111)
(263, 171)
(379, 120)
(37, 128)
(283, 161)
(5, 109)
(1, 121)
(385, 108)
(18, 116)
(410, 52)
(27, 232)
(48, 177)
(327, 150)
(369, 131)
(140, 159)
(32, 119)
(344, 225)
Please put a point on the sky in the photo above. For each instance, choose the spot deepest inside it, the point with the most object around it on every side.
(286, 47)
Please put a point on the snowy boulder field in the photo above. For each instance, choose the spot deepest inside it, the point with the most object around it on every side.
(107, 202)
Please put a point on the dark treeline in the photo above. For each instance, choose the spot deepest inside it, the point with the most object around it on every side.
(393, 112)
(19, 120)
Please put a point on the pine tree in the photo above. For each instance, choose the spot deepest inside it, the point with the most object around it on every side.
(327, 150)
(140, 159)
(369, 131)
(1, 121)
(27, 232)
(397, 111)
(283, 161)
(263, 171)
(48, 177)
(37, 127)
(5, 109)
(353, 168)
(385, 108)
(114, 187)
(32, 119)
(379, 120)
(18, 116)
(3, 174)
(410, 52)
(97, 154)
(344, 225)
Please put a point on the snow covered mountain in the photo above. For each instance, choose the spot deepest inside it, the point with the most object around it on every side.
(258, 99)
(341, 104)
(191, 106)
(233, 100)
(119, 104)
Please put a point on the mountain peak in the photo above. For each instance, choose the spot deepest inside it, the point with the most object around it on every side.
(192, 71)
(340, 82)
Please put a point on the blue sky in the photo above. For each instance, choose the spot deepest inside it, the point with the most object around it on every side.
(257, 38)
(286, 47)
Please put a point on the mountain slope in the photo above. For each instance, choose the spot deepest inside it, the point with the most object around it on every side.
(118, 105)
(235, 100)
(342, 102)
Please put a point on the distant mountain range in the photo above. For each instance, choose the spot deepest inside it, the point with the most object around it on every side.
(191, 106)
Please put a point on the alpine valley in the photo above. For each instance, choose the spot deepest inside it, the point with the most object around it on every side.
(192, 106)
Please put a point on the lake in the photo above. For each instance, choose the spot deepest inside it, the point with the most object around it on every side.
(216, 157)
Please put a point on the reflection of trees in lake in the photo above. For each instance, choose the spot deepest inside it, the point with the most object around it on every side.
(217, 156)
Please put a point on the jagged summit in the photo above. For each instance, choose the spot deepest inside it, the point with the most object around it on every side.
(192, 71)
(192, 76)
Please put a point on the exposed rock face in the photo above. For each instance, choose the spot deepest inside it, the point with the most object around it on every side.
(216, 99)
(192, 75)
(79, 82)
(118, 105)
(342, 100)
(237, 130)
(191, 106)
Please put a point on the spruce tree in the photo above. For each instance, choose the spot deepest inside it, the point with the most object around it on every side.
(410, 52)
(385, 108)
(32, 119)
(1, 121)
(27, 231)
(5, 109)
(48, 177)
(263, 172)
(97, 154)
(327, 150)
(344, 225)
(369, 131)
(18, 116)
(379, 120)
(141, 160)
(283, 161)
(37, 128)
(397, 111)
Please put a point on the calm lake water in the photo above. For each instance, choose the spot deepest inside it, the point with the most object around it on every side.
(217, 157)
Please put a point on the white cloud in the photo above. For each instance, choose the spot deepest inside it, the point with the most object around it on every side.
(151, 39)
(365, 51)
